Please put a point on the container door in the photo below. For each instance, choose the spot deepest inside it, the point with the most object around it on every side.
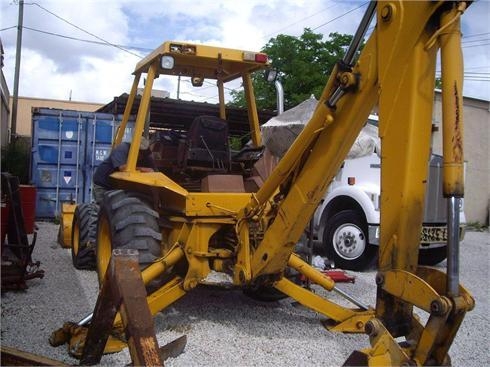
(100, 133)
(57, 156)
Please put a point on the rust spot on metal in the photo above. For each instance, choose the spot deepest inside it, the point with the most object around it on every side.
(457, 140)
(149, 348)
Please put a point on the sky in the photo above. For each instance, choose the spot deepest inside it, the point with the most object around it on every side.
(57, 61)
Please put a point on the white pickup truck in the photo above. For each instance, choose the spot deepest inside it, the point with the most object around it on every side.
(346, 223)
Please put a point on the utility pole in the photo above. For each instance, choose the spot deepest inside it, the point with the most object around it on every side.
(13, 126)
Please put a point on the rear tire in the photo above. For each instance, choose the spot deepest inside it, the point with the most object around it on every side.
(83, 236)
(267, 293)
(264, 293)
(346, 241)
(126, 221)
(432, 256)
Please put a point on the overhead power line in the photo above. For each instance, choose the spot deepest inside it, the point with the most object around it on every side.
(6, 29)
(477, 67)
(340, 16)
(299, 21)
(83, 30)
(476, 35)
(87, 41)
(480, 45)
(466, 41)
(312, 15)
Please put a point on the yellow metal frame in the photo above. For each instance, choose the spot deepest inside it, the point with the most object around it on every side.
(197, 59)
(66, 225)
(396, 70)
(212, 63)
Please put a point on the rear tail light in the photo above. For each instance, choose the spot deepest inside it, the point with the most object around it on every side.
(254, 56)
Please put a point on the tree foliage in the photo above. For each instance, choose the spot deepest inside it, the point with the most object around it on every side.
(16, 159)
(303, 63)
(439, 83)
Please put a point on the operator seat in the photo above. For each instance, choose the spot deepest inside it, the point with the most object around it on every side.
(206, 146)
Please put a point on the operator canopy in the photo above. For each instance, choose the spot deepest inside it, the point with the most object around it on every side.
(202, 62)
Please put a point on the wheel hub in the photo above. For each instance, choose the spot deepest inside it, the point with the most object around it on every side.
(350, 241)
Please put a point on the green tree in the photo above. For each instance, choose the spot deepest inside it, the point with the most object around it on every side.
(438, 83)
(303, 63)
(16, 159)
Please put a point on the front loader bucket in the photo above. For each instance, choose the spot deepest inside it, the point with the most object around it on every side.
(66, 220)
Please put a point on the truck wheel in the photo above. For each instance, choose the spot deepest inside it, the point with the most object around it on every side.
(126, 222)
(432, 256)
(346, 241)
(83, 236)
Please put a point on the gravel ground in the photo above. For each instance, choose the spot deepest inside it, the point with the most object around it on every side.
(225, 327)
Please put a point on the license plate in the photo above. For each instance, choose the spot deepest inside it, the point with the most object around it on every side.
(433, 234)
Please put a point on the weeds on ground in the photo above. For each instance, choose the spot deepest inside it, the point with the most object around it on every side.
(476, 226)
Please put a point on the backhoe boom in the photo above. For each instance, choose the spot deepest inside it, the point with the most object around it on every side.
(396, 70)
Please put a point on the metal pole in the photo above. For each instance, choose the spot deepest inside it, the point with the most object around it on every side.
(13, 125)
(453, 246)
(58, 166)
(351, 298)
(280, 96)
(360, 33)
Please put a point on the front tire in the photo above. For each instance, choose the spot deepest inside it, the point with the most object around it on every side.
(83, 236)
(126, 221)
(345, 240)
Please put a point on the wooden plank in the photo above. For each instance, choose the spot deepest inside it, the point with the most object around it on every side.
(15, 357)
(102, 321)
(142, 342)
(123, 289)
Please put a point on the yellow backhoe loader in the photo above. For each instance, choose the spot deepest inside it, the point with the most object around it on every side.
(187, 225)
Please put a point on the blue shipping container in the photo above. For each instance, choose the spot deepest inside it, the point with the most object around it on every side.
(67, 146)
